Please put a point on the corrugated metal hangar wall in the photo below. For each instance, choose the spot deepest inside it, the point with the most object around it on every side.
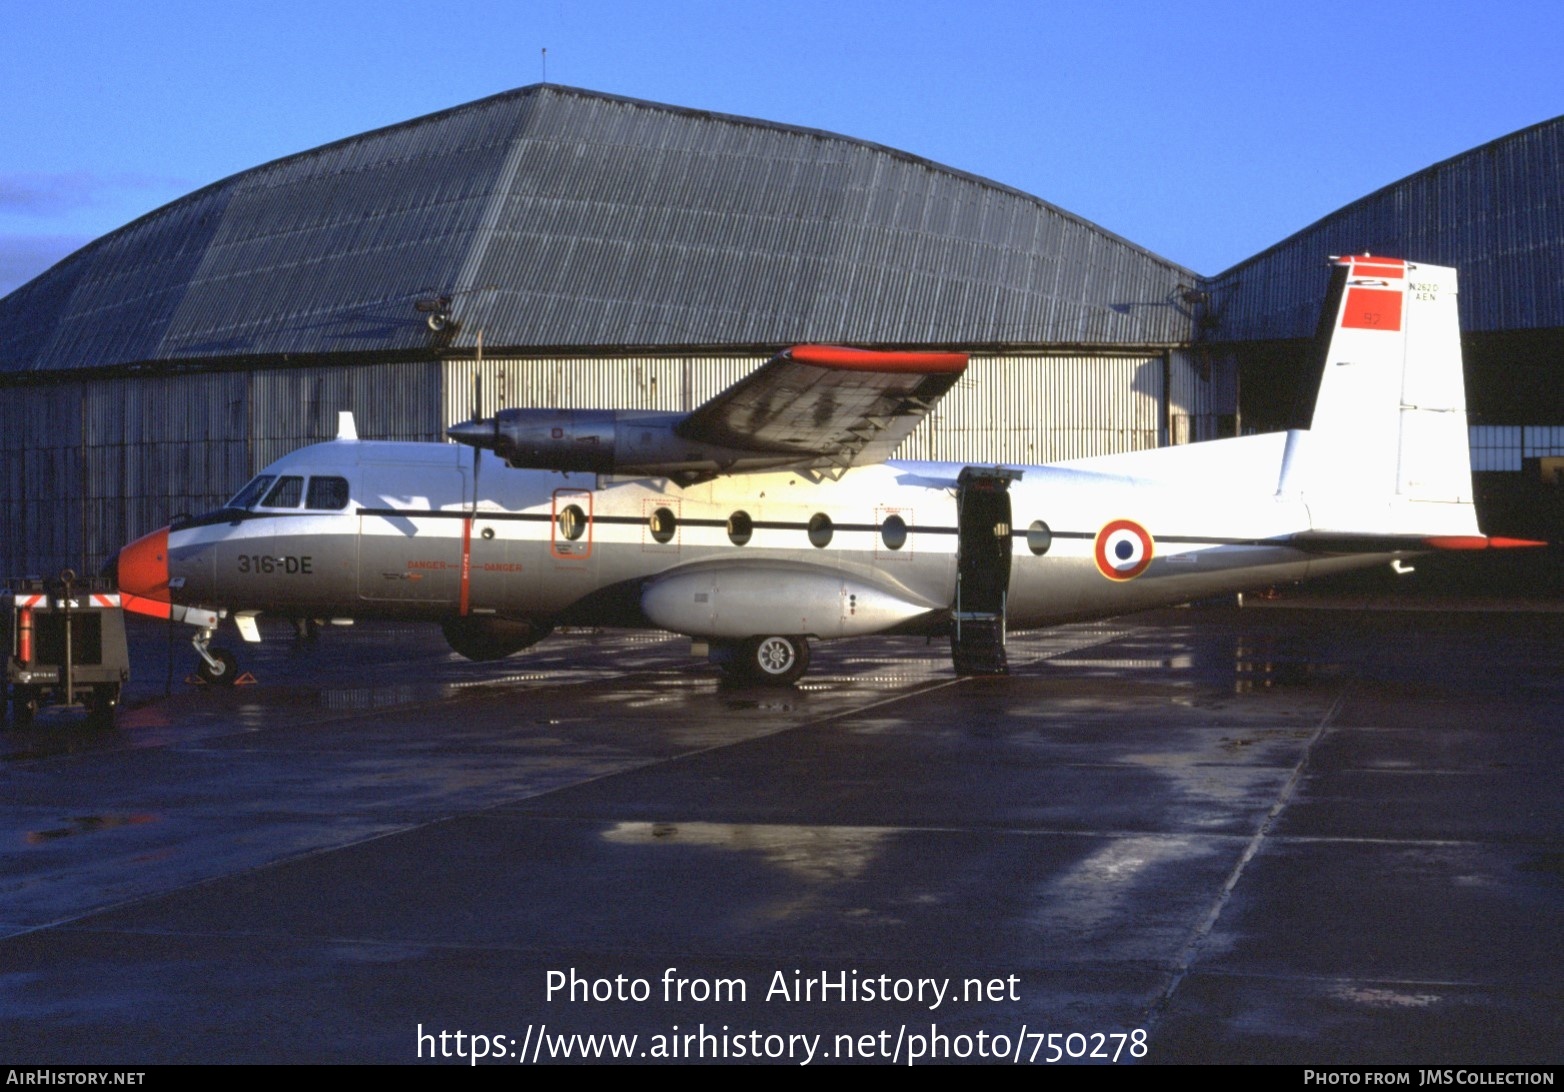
(615, 253)
(1496, 214)
(612, 254)
(91, 464)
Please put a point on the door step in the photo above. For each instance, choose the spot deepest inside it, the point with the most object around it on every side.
(977, 645)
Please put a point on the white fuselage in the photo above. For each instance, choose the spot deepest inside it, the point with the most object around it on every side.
(758, 560)
(1090, 538)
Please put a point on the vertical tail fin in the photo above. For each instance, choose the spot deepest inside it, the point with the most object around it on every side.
(1387, 450)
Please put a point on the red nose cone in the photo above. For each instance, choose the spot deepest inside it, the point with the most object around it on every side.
(142, 573)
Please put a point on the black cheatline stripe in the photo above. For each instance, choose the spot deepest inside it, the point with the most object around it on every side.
(1217, 540)
(1017, 532)
(1346, 545)
(543, 517)
(1198, 540)
(241, 515)
(419, 513)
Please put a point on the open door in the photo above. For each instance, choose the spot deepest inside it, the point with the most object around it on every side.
(982, 570)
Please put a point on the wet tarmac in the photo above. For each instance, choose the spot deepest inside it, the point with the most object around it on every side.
(1191, 836)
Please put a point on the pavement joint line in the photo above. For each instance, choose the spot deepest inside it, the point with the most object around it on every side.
(404, 828)
(419, 825)
(1350, 980)
(912, 692)
(1192, 947)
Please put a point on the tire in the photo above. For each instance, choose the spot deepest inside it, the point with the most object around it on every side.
(24, 704)
(102, 706)
(224, 673)
(775, 661)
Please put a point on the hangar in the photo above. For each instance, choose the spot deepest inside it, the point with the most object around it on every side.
(576, 248)
(1495, 213)
(603, 252)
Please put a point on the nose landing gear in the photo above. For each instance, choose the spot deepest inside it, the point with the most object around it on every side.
(218, 666)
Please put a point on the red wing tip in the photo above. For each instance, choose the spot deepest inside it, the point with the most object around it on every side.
(1481, 542)
(874, 360)
(140, 604)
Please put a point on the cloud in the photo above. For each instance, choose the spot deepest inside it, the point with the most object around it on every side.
(35, 193)
(23, 257)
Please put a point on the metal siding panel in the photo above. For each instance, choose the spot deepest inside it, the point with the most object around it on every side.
(291, 408)
(1034, 409)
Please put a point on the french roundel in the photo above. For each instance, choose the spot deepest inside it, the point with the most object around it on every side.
(1123, 550)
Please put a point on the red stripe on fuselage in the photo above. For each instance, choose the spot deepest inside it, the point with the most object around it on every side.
(153, 608)
(466, 564)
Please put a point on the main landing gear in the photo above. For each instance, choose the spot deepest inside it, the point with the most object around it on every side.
(769, 661)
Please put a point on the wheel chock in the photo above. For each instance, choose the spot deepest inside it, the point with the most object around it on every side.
(245, 679)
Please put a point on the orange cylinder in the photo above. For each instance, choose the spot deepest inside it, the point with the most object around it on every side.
(24, 635)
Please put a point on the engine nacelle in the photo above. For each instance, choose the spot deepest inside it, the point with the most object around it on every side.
(557, 439)
(606, 442)
(766, 599)
(490, 638)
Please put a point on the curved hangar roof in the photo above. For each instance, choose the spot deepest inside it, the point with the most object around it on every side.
(1495, 213)
(557, 218)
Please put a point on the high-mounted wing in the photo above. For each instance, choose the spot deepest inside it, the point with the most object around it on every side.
(830, 407)
(810, 408)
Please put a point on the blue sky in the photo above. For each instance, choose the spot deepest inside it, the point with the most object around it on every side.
(1202, 130)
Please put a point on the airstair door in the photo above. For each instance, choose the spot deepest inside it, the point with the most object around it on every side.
(982, 570)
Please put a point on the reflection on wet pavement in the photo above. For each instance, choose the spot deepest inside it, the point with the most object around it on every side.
(1249, 833)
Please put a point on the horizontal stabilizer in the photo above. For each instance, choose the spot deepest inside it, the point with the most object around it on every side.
(1336, 542)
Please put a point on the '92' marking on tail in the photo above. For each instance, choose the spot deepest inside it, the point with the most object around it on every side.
(1372, 309)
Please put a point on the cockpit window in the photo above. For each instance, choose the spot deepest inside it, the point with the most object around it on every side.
(253, 492)
(330, 494)
(286, 493)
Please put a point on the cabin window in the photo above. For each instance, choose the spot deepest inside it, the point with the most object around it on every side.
(572, 522)
(252, 492)
(740, 528)
(820, 530)
(663, 524)
(893, 532)
(286, 493)
(1039, 537)
(328, 493)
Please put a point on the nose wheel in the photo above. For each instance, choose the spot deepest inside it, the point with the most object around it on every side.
(217, 666)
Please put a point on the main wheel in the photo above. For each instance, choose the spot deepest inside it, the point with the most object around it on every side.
(775, 661)
(224, 673)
